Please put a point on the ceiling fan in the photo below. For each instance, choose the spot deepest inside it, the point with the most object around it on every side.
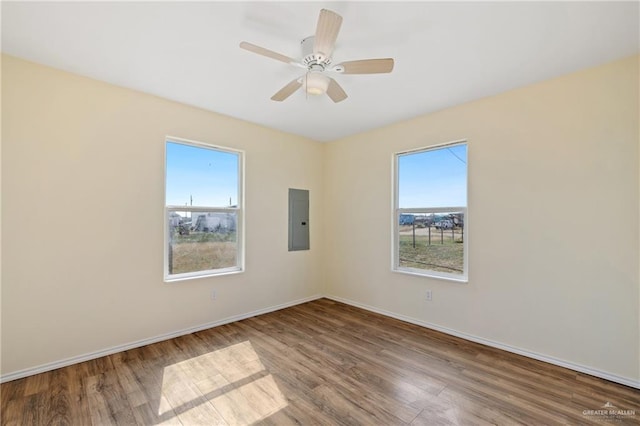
(316, 59)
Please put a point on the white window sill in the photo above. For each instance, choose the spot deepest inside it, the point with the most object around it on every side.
(206, 274)
(426, 274)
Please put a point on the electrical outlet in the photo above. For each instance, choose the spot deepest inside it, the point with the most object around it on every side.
(428, 296)
(214, 295)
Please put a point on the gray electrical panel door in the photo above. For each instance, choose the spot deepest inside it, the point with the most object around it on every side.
(298, 219)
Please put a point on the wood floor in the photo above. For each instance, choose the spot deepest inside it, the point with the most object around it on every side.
(322, 362)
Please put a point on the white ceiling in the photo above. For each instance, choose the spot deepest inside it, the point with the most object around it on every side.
(446, 53)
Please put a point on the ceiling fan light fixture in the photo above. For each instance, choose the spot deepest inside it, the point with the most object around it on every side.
(316, 83)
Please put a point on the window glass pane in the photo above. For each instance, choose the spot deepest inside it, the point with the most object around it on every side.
(199, 176)
(434, 178)
(202, 241)
(203, 210)
(432, 241)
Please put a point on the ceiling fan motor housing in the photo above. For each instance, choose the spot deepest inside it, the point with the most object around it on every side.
(313, 61)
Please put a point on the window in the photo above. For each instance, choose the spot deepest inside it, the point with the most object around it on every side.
(203, 210)
(430, 215)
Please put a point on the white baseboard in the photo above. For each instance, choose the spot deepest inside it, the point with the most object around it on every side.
(549, 359)
(120, 348)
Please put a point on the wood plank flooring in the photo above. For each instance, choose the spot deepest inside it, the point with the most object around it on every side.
(320, 363)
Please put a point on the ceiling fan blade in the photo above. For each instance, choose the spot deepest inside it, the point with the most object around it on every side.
(326, 32)
(287, 90)
(335, 92)
(266, 52)
(367, 66)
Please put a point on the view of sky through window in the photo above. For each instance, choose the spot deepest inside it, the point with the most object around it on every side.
(434, 178)
(200, 176)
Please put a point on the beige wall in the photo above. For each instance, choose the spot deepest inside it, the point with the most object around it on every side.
(82, 218)
(554, 199)
(553, 219)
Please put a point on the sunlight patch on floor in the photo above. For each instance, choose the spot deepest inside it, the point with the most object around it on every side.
(227, 386)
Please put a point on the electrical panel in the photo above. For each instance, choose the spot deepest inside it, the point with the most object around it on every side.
(298, 219)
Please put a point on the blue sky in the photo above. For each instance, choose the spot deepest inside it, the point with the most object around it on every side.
(435, 178)
(210, 176)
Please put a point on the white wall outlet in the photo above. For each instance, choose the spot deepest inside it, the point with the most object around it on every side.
(428, 296)
(214, 295)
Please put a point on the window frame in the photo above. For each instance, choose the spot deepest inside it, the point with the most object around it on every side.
(238, 211)
(397, 211)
